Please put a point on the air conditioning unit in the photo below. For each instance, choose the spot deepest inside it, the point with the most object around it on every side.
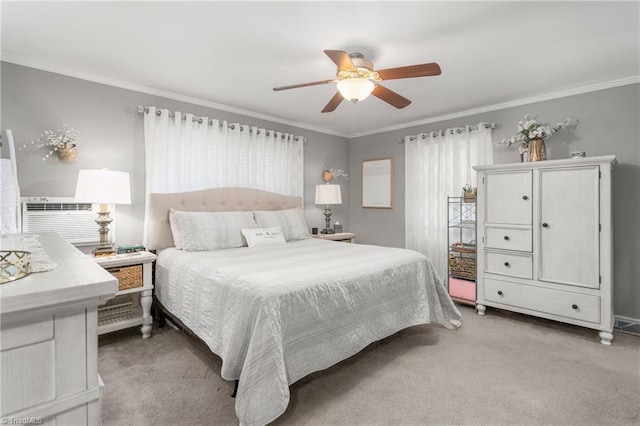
(75, 222)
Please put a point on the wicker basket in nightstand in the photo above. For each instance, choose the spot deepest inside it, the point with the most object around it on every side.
(128, 276)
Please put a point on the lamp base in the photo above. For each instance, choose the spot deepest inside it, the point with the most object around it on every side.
(103, 251)
(104, 248)
(327, 219)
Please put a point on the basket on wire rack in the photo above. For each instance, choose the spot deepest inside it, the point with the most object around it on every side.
(462, 266)
(469, 247)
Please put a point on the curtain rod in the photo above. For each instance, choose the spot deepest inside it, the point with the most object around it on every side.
(450, 131)
(143, 109)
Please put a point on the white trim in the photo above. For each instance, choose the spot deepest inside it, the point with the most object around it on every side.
(633, 322)
(196, 101)
(519, 102)
(627, 319)
(157, 92)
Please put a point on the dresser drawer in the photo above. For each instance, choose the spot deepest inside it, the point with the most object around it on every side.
(36, 330)
(511, 264)
(578, 306)
(508, 238)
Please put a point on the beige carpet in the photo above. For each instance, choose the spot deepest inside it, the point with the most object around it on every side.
(501, 369)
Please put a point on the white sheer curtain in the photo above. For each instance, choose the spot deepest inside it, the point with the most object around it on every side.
(183, 154)
(438, 165)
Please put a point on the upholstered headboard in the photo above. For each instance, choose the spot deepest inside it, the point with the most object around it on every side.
(209, 200)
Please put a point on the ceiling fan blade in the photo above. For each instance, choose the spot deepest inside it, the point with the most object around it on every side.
(295, 86)
(333, 103)
(390, 97)
(422, 70)
(341, 59)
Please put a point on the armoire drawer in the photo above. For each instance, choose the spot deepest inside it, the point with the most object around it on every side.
(511, 264)
(508, 238)
(578, 306)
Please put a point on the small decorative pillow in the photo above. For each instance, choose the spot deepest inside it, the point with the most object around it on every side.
(290, 221)
(259, 237)
(175, 229)
(203, 231)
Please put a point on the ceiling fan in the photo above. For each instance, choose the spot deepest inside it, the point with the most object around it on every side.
(356, 79)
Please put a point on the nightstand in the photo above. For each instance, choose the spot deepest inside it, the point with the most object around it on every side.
(345, 237)
(131, 305)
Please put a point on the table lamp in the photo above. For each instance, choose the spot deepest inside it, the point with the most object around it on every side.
(103, 187)
(328, 194)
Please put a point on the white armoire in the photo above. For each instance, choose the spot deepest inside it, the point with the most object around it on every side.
(545, 240)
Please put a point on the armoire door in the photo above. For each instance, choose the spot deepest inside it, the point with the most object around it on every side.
(568, 226)
(508, 197)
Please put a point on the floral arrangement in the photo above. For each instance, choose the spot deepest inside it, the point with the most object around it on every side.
(60, 139)
(329, 174)
(469, 192)
(339, 173)
(530, 129)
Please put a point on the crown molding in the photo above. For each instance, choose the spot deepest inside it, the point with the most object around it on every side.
(510, 104)
(208, 104)
(43, 66)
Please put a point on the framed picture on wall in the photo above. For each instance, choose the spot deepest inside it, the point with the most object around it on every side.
(377, 183)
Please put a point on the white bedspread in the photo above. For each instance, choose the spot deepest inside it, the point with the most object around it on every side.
(277, 314)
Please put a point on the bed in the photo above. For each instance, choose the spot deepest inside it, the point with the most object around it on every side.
(277, 313)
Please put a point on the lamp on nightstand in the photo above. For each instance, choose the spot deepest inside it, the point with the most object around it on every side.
(328, 194)
(103, 187)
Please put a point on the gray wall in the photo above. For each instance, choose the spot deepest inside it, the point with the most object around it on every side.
(608, 124)
(112, 135)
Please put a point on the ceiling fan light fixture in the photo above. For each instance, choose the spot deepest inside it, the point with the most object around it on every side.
(355, 89)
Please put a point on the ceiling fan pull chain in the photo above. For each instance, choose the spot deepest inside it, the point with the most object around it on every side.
(353, 119)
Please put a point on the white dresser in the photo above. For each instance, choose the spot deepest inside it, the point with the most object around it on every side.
(545, 240)
(49, 340)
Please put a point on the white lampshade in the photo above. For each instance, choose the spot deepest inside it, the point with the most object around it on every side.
(355, 89)
(103, 186)
(328, 194)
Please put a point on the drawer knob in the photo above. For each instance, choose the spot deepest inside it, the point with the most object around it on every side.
(500, 293)
(574, 306)
(524, 197)
(506, 237)
(507, 264)
(545, 225)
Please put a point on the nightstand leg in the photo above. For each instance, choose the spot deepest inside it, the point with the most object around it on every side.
(147, 319)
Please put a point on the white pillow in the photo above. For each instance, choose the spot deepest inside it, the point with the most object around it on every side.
(175, 229)
(202, 231)
(290, 221)
(260, 237)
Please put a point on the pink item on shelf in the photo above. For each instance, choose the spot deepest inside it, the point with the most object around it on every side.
(462, 289)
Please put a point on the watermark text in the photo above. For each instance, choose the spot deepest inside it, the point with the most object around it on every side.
(22, 420)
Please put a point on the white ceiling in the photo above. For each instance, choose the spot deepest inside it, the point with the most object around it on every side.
(230, 55)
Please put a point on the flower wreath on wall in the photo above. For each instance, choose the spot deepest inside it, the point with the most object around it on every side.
(329, 174)
(62, 142)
